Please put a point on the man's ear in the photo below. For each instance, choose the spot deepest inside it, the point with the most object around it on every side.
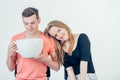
(39, 20)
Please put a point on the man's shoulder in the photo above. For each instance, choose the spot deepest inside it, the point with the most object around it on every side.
(46, 39)
(18, 36)
(43, 36)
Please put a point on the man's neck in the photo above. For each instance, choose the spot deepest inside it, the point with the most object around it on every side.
(32, 35)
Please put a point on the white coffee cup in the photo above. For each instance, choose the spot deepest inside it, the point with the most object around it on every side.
(29, 48)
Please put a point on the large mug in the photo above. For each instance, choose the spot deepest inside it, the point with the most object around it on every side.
(29, 48)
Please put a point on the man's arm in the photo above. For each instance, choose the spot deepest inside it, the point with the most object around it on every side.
(52, 63)
(11, 57)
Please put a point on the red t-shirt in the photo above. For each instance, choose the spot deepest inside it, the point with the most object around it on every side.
(30, 69)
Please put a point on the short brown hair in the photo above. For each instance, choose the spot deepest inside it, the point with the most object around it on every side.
(30, 11)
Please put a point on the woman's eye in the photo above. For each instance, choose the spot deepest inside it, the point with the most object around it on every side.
(55, 35)
(59, 30)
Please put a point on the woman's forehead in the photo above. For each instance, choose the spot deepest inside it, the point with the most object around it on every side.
(53, 29)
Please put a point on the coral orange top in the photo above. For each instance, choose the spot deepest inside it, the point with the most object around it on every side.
(31, 69)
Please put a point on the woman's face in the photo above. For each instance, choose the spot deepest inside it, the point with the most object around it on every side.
(59, 33)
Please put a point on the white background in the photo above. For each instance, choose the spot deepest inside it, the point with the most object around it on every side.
(99, 19)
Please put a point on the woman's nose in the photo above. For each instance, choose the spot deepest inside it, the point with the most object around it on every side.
(59, 36)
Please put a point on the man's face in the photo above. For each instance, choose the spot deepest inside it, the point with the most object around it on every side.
(31, 24)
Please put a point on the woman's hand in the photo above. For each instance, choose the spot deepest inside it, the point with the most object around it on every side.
(71, 75)
(83, 69)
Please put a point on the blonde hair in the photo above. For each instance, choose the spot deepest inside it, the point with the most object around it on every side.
(60, 24)
(58, 49)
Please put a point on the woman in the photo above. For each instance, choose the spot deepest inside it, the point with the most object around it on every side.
(76, 48)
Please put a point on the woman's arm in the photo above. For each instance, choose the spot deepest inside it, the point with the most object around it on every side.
(71, 74)
(83, 70)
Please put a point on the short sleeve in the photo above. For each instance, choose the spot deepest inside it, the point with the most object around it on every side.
(66, 63)
(84, 44)
(18, 36)
(48, 46)
(52, 46)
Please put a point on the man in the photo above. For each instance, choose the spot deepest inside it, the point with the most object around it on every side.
(29, 68)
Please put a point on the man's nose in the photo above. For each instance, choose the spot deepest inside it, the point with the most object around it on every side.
(29, 25)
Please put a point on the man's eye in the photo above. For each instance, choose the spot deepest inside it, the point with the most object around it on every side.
(59, 30)
(26, 23)
(32, 23)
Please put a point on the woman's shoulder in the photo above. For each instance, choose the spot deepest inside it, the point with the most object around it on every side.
(83, 39)
(83, 34)
(80, 35)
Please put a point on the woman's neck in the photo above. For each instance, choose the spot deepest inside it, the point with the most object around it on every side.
(66, 46)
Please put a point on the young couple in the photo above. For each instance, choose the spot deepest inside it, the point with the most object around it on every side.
(67, 49)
